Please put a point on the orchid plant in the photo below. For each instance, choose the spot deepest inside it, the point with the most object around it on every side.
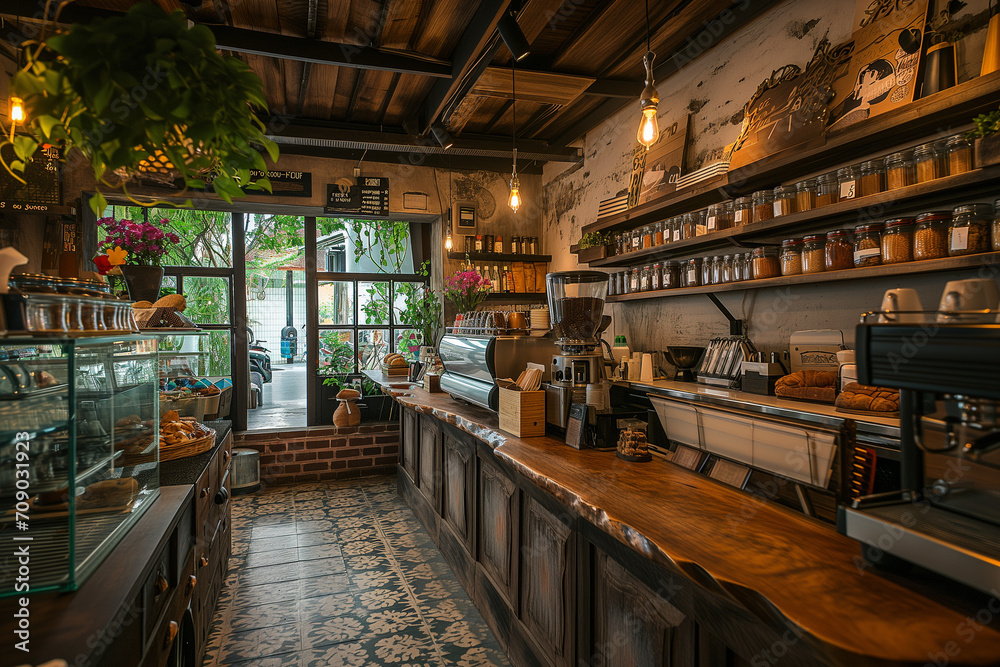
(466, 289)
(135, 243)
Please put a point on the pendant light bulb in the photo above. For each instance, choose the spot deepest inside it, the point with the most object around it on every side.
(515, 193)
(649, 130)
(16, 110)
(447, 241)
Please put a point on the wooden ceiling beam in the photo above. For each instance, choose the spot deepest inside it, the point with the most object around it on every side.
(471, 46)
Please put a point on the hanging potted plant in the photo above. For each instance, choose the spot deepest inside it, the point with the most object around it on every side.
(137, 249)
(987, 137)
(141, 96)
(592, 246)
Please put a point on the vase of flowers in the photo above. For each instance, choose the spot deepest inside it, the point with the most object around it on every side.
(466, 289)
(137, 248)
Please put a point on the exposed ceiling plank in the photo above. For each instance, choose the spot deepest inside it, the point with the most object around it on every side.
(444, 161)
(544, 87)
(471, 44)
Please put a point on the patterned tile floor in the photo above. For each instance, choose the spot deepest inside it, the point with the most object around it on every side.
(341, 575)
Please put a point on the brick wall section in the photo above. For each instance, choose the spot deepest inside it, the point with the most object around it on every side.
(323, 452)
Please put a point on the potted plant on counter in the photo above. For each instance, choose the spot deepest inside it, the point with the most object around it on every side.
(592, 246)
(141, 247)
(422, 309)
(141, 96)
(987, 137)
(466, 289)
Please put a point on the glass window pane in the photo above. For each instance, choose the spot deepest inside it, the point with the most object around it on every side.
(406, 301)
(408, 342)
(274, 303)
(205, 237)
(336, 352)
(373, 345)
(363, 246)
(207, 300)
(336, 303)
(373, 303)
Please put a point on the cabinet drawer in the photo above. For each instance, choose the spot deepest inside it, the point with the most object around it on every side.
(166, 634)
(429, 463)
(409, 444)
(497, 525)
(159, 584)
(459, 486)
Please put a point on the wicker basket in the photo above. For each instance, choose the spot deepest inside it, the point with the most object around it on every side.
(189, 448)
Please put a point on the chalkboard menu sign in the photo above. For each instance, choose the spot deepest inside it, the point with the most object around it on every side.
(41, 188)
(370, 196)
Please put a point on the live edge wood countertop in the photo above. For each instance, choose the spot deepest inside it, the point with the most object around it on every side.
(794, 574)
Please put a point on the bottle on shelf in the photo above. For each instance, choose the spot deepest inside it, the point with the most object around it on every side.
(514, 241)
(508, 279)
(533, 246)
(495, 279)
(479, 243)
(498, 244)
(524, 245)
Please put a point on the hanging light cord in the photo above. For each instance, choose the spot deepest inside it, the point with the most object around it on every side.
(513, 92)
(647, 27)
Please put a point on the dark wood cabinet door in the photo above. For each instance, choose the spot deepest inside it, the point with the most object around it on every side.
(459, 486)
(496, 522)
(410, 435)
(635, 626)
(546, 576)
(429, 462)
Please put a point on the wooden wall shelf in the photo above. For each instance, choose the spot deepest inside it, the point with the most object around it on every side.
(497, 257)
(905, 268)
(936, 115)
(947, 191)
(527, 297)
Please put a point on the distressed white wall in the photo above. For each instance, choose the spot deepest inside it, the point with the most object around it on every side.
(713, 89)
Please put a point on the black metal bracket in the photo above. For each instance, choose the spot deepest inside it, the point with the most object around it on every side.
(736, 327)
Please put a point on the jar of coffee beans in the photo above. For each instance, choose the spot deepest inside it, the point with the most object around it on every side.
(827, 188)
(872, 177)
(763, 205)
(766, 263)
(959, 151)
(839, 249)
(805, 195)
(791, 257)
(813, 251)
(970, 229)
(930, 237)
(897, 241)
(868, 244)
(929, 163)
(899, 171)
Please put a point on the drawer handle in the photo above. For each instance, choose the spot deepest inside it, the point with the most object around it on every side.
(222, 496)
(204, 561)
(161, 585)
(206, 491)
(172, 631)
(192, 581)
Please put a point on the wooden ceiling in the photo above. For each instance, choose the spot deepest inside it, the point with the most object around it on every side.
(395, 67)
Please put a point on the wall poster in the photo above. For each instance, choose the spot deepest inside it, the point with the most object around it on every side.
(664, 162)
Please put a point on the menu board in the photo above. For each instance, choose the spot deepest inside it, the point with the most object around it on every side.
(369, 195)
(374, 195)
(41, 187)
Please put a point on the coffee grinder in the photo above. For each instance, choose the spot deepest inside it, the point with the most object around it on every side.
(576, 306)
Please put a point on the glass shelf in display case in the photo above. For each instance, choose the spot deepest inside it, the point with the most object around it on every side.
(79, 452)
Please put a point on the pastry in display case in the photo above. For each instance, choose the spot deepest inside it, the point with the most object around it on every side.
(79, 452)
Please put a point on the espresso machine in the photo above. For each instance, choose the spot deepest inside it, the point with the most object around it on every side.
(576, 307)
(946, 517)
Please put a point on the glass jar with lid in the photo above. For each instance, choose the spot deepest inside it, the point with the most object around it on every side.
(676, 229)
(791, 257)
(636, 235)
(827, 190)
(959, 154)
(612, 284)
(899, 172)
(805, 195)
(930, 236)
(996, 225)
(868, 244)
(784, 200)
(647, 237)
(644, 278)
(928, 163)
(623, 282)
(970, 229)
(728, 266)
(814, 253)
(671, 277)
(897, 241)
(839, 249)
(766, 263)
(848, 182)
(688, 226)
(658, 233)
(655, 275)
(700, 222)
(691, 273)
(706, 270)
(719, 217)
(718, 269)
(763, 205)
(742, 211)
(872, 177)
(746, 266)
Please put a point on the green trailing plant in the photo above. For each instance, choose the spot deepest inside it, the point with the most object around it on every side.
(987, 125)
(422, 307)
(593, 240)
(139, 89)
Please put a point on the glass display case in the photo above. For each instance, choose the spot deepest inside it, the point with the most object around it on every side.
(79, 454)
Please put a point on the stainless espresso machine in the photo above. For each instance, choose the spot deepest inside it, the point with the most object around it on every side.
(946, 518)
(576, 307)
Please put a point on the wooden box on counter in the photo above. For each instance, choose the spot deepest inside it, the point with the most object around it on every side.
(522, 413)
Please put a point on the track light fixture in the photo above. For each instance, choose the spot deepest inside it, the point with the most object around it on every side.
(442, 136)
(513, 36)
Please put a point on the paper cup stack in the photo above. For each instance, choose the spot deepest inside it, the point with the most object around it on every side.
(540, 318)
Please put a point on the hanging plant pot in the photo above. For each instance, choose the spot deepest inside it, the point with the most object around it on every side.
(143, 281)
(143, 96)
(987, 151)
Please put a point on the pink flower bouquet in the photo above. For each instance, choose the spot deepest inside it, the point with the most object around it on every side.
(145, 242)
(466, 289)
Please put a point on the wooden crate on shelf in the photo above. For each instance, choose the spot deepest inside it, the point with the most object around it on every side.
(522, 413)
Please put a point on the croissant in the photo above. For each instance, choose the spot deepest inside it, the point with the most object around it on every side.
(872, 399)
(808, 379)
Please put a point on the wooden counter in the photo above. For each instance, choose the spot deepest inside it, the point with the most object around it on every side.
(735, 554)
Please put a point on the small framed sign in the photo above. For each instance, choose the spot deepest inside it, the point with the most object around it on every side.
(576, 425)
(465, 216)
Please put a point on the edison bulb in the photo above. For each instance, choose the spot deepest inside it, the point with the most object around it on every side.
(447, 242)
(515, 198)
(649, 131)
(16, 110)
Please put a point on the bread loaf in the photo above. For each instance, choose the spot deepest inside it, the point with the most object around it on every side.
(808, 385)
(175, 301)
(868, 399)
(109, 493)
(349, 393)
